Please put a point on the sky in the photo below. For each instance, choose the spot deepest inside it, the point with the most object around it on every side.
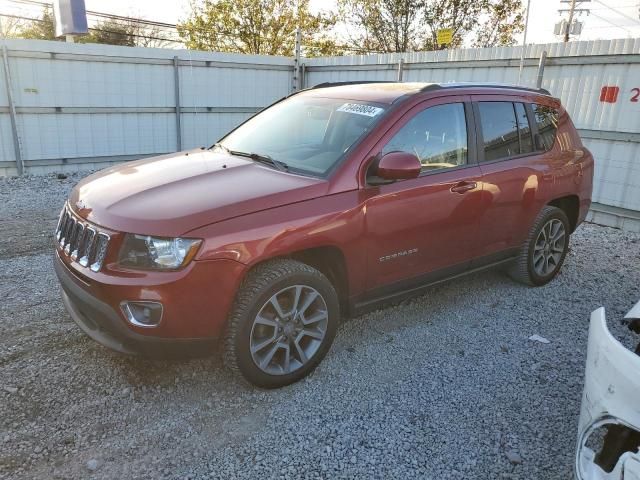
(607, 18)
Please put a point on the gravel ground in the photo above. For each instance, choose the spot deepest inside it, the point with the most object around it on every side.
(446, 385)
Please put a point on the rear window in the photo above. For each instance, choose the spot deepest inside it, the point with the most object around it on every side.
(547, 121)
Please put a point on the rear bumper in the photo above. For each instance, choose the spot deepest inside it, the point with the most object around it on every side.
(105, 324)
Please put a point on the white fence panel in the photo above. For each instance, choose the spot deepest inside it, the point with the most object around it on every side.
(90, 104)
(83, 106)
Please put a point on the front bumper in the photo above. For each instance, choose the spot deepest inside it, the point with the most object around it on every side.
(193, 316)
(611, 399)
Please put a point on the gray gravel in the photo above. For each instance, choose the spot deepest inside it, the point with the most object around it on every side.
(447, 385)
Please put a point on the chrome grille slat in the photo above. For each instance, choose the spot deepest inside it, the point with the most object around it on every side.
(71, 225)
(77, 240)
(80, 241)
(90, 243)
(61, 219)
(63, 228)
(100, 251)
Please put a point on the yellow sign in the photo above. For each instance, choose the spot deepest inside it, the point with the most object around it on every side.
(445, 35)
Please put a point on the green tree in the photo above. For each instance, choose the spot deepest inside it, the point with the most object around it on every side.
(10, 27)
(383, 25)
(42, 29)
(402, 25)
(506, 18)
(256, 27)
(111, 32)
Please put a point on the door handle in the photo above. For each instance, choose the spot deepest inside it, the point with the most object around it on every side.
(463, 187)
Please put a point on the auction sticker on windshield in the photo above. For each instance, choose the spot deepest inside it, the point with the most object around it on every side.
(358, 109)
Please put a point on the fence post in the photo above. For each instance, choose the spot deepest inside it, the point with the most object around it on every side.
(176, 76)
(543, 59)
(400, 69)
(303, 76)
(296, 61)
(12, 112)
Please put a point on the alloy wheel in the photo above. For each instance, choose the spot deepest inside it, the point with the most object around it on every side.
(549, 247)
(288, 330)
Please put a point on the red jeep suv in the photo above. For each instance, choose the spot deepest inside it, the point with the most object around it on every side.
(333, 200)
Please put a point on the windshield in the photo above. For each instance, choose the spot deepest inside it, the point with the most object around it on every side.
(304, 134)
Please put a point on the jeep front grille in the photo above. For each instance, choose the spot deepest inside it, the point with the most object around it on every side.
(81, 241)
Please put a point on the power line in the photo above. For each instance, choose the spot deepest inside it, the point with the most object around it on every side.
(126, 34)
(100, 14)
(608, 7)
(629, 32)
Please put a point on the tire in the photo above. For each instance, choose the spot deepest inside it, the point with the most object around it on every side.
(529, 268)
(255, 321)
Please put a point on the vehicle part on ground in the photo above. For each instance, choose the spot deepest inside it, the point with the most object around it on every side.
(282, 324)
(609, 427)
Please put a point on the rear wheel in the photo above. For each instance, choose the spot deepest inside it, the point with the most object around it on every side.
(544, 251)
(282, 324)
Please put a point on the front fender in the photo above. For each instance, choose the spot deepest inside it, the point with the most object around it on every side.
(335, 221)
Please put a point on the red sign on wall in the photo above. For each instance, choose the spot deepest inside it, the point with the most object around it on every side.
(609, 94)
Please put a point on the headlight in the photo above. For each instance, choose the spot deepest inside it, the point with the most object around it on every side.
(157, 253)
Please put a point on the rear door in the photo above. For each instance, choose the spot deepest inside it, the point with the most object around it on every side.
(513, 174)
(425, 225)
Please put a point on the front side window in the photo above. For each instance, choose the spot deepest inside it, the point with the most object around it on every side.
(437, 136)
(306, 134)
(547, 121)
(499, 130)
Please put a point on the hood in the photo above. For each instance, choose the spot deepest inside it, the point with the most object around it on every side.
(173, 194)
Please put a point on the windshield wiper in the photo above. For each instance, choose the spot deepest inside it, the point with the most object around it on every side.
(283, 167)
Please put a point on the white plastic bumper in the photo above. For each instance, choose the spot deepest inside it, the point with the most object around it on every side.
(611, 397)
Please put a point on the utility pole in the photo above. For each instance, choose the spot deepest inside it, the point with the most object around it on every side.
(566, 28)
(572, 10)
(524, 41)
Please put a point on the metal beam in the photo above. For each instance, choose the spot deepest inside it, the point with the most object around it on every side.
(176, 82)
(53, 162)
(12, 113)
(512, 62)
(609, 135)
(147, 61)
(543, 59)
(126, 110)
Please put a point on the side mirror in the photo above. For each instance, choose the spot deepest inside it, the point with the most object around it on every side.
(398, 166)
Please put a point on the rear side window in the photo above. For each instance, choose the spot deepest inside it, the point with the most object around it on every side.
(505, 129)
(499, 130)
(524, 129)
(547, 121)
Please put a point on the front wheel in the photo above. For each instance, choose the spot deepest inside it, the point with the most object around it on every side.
(282, 324)
(544, 250)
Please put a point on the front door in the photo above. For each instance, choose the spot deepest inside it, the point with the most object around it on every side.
(423, 228)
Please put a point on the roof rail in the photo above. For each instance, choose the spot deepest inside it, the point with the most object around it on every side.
(340, 84)
(437, 86)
